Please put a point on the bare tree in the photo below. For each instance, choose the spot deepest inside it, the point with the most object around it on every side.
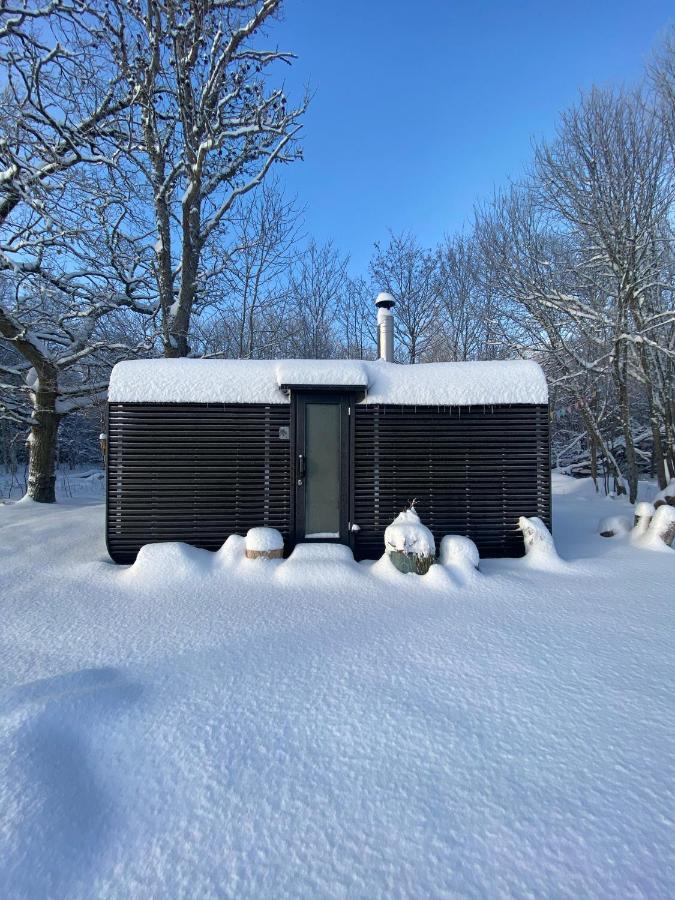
(355, 320)
(467, 326)
(662, 73)
(209, 129)
(250, 295)
(316, 290)
(609, 176)
(63, 115)
(410, 274)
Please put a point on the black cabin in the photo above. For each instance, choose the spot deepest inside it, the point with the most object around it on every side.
(325, 450)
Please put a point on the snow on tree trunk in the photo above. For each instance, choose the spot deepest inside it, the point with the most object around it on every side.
(409, 544)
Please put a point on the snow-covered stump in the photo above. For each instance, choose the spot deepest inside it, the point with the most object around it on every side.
(457, 550)
(614, 526)
(662, 527)
(538, 540)
(644, 513)
(264, 543)
(666, 497)
(409, 544)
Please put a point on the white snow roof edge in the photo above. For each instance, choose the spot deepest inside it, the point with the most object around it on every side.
(260, 381)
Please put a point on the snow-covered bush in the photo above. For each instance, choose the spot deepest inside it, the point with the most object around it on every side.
(407, 534)
(457, 550)
(409, 544)
(614, 526)
(264, 543)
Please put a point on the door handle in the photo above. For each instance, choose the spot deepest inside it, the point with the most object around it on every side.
(302, 466)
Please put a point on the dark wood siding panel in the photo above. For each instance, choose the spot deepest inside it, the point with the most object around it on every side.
(194, 473)
(471, 470)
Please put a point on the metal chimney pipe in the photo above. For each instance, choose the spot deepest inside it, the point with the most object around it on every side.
(385, 327)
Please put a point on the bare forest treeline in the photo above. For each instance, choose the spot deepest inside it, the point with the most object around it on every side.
(142, 213)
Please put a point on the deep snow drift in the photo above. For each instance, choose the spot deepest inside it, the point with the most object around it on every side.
(202, 725)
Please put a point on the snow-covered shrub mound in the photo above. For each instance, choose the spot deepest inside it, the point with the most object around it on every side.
(409, 544)
(232, 551)
(539, 546)
(460, 551)
(644, 513)
(661, 532)
(407, 534)
(666, 496)
(614, 526)
(171, 560)
(264, 543)
(316, 567)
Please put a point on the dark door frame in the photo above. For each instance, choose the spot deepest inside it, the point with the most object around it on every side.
(345, 400)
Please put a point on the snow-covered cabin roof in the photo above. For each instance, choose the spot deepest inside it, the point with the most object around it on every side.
(268, 381)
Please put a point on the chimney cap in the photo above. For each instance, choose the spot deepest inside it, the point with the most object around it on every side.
(384, 300)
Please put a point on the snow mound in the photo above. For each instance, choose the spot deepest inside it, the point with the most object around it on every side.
(644, 513)
(614, 526)
(540, 551)
(171, 560)
(320, 553)
(460, 551)
(407, 534)
(667, 495)
(662, 524)
(232, 551)
(379, 734)
(260, 381)
(321, 373)
(262, 540)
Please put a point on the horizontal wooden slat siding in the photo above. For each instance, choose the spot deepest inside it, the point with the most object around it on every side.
(195, 473)
(471, 471)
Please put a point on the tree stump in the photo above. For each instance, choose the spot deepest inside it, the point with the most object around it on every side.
(662, 526)
(264, 543)
(264, 554)
(644, 513)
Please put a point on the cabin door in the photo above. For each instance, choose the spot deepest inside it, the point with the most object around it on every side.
(322, 469)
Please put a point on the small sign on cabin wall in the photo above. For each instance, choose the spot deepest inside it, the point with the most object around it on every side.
(284, 433)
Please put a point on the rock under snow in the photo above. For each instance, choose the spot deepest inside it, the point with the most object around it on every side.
(457, 550)
(614, 526)
(407, 534)
(667, 495)
(661, 532)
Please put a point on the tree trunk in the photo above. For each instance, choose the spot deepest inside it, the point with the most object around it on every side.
(621, 380)
(42, 445)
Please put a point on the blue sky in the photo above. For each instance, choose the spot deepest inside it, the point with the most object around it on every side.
(420, 109)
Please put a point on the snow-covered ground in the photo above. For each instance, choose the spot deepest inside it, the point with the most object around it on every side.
(203, 725)
(82, 482)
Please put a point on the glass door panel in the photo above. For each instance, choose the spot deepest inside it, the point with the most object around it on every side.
(322, 470)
